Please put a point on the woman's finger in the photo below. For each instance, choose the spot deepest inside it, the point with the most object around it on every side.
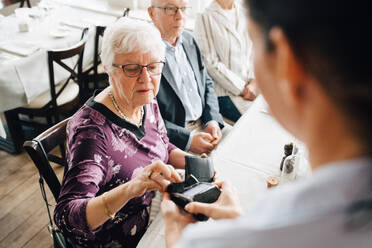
(159, 179)
(174, 174)
(161, 168)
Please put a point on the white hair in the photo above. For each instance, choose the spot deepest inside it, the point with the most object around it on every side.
(127, 36)
(155, 2)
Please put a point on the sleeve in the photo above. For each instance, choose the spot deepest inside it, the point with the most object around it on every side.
(85, 175)
(188, 145)
(211, 109)
(220, 73)
(178, 135)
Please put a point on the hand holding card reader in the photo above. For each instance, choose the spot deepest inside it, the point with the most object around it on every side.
(199, 173)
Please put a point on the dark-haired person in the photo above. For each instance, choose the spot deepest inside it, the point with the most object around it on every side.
(312, 64)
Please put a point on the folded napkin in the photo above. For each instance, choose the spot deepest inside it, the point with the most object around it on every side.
(7, 56)
(20, 48)
(74, 24)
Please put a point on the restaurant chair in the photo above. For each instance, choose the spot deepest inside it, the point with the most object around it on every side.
(61, 99)
(48, 141)
(42, 152)
(126, 12)
(94, 77)
(23, 2)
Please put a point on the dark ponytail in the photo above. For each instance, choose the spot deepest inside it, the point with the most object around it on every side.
(330, 39)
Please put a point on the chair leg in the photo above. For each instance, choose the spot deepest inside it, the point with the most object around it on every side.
(15, 130)
(49, 120)
(23, 3)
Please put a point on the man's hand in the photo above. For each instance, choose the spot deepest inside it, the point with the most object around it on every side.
(226, 207)
(201, 142)
(250, 91)
(214, 129)
(175, 221)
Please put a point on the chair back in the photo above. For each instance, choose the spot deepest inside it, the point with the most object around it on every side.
(90, 74)
(39, 150)
(57, 57)
(96, 60)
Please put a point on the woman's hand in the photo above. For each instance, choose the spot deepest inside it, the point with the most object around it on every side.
(250, 91)
(226, 207)
(155, 176)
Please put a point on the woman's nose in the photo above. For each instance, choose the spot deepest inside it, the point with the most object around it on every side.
(144, 75)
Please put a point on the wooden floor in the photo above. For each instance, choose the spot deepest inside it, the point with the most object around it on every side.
(4, 3)
(23, 215)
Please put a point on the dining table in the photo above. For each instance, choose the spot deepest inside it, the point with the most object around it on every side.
(250, 154)
(26, 36)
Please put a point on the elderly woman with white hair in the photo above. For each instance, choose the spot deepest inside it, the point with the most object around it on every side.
(118, 147)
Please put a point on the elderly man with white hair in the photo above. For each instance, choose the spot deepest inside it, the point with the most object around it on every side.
(187, 100)
(117, 145)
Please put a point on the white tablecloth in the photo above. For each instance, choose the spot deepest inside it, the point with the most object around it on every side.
(250, 153)
(23, 78)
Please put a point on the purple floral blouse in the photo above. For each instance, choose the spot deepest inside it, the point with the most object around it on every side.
(104, 151)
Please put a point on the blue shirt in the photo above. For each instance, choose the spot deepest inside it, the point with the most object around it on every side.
(185, 80)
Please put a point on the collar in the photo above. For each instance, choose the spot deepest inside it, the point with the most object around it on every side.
(139, 132)
(178, 44)
(214, 6)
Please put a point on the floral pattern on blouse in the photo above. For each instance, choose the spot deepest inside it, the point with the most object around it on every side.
(102, 153)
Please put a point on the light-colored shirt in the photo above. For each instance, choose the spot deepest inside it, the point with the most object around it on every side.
(232, 16)
(185, 83)
(185, 80)
(227, 50)
(307, 214)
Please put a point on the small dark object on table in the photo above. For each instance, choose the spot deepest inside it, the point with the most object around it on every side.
(196, 187)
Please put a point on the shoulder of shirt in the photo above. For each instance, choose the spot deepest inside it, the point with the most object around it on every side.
(85, 113)
(187, 37)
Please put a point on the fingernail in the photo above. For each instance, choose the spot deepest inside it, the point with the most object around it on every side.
(187, 207)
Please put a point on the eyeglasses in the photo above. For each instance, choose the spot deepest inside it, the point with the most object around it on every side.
(134, 70)
(173, 10)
